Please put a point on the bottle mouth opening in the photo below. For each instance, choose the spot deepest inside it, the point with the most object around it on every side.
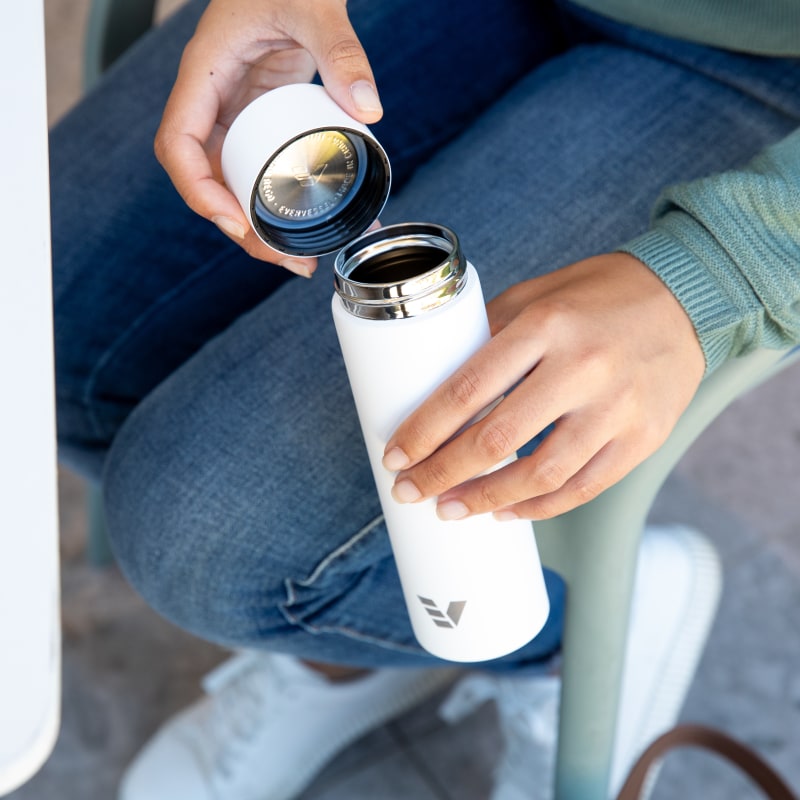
(319, 191)
(400, 271)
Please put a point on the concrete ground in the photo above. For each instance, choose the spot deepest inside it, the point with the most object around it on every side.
(125, 669)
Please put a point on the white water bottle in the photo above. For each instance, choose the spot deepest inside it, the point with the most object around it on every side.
(408, 311)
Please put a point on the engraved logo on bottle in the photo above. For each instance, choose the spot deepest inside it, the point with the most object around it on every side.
(308, 178)
(447, 619)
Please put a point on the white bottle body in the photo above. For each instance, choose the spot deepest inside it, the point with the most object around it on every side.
(474, 587)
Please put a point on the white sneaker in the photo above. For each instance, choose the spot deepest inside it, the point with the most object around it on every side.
(266, 727)
(675, 596)
(675, 599)
(527, 709)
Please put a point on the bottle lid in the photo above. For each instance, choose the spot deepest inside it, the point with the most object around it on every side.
(309, 177)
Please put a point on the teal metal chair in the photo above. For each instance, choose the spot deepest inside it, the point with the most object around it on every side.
(112, 27)
(594, 547)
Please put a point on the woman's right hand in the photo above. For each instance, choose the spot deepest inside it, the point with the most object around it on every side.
(241, 49)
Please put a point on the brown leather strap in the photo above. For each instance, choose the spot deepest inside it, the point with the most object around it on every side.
(715, 740)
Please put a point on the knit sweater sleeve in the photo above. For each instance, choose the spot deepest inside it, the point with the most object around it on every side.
(728, 247)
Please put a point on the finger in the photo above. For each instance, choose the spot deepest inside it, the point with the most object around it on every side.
(485, 444)
(342, 63)
(304, 267)
(187, 124)
(498, 365)
(187, 164)
(608, 466)
(504, 308)
(573, 442)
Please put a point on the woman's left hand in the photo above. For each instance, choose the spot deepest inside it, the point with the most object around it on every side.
(241, 49)
(600, 349)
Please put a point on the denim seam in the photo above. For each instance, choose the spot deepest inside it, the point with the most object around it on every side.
(291, 595)
(107, 356)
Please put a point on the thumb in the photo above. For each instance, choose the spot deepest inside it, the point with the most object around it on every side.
(343, 64)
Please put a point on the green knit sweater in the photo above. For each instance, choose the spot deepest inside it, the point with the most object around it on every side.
(728, 246)
(766, 27)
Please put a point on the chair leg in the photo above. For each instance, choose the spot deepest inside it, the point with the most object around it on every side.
(595, 548)
(112, 26)
(98, 546)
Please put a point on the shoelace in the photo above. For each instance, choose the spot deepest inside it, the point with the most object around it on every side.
(238, 691)
(528, 712)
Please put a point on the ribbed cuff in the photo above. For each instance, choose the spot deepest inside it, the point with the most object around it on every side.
(708, 306)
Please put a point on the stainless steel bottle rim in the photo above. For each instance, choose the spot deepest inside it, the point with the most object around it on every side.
(319, 191)
(400, 271)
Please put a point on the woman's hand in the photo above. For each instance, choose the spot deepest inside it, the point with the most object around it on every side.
(241, 49)
(601, 349)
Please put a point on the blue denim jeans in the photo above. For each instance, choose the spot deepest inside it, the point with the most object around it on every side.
(207, 391)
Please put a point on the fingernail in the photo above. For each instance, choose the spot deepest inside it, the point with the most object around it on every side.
(395, 460)
(229, 226)
(451, 509)
(365, 97)
(297, 266)
(505, 515)
(405, 492)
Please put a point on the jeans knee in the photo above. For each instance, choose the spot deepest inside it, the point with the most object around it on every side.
(181, 540)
